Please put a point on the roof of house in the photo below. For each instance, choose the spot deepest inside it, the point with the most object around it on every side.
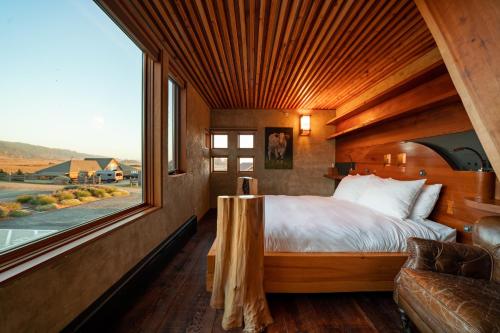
(70, 166)
(126, 167)
(103, 161)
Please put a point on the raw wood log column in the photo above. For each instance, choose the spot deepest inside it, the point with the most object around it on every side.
(467, 34)
(239, 264)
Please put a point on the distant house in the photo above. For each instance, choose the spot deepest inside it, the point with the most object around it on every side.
(69, 169)
(106, 163)
(111, 164)
(89, 166)
(129, 170)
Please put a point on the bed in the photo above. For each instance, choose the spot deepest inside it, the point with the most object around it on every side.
(322, 244)
(326, 224)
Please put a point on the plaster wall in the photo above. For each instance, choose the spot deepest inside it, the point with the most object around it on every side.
(312, 155)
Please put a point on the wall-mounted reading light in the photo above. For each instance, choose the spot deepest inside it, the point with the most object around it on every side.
(401, 159)
(387, 159)
(305, 124)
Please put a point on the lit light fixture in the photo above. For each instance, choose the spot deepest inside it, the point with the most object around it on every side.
(305, 124)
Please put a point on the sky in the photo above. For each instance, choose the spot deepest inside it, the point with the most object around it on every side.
(69, 78)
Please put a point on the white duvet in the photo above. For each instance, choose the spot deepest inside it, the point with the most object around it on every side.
(325, 224)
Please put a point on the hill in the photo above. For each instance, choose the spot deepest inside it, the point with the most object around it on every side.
(27, 151)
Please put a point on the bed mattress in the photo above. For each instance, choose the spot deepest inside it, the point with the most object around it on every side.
(325, 224)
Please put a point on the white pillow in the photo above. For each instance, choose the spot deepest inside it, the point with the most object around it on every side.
(425, 202)
(351, 187)
(392, 197)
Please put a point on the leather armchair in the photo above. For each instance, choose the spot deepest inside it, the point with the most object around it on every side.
(451, 287)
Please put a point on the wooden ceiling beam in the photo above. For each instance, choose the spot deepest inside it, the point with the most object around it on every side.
(437, 92)
(396, 81)
(467, 34)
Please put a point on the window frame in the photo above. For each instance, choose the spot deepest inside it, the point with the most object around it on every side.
(177, 128)
(239, 142)
(246, 156)
(212, 158)
(29, 256)
(213, 140)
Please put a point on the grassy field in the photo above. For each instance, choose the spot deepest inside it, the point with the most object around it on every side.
(10, 164)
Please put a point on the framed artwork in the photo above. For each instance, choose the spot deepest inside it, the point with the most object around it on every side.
(278, 148)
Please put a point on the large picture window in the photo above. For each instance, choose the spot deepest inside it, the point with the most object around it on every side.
(71, 110)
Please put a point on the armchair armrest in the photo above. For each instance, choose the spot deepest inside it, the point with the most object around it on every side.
(448, 258)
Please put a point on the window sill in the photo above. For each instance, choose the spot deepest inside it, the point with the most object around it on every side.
(177, 174)
(33, 260)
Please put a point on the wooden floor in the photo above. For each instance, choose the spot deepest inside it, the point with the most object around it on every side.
(176, 301)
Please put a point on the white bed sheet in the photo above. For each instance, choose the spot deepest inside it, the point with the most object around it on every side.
(325, 224)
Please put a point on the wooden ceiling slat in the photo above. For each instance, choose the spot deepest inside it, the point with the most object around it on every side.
(242, 19)
(220, 14)
(194, 30)
(271, 30)
(371, 50)
(362, 47)
(324, 64)
(343, 29)
(361, 80)
(210, 50)
(387, 67)
(361, 74)
(211, 30)
(258, 55)
(276, 44)
(289, 51)
(324, 12)
(285, 46)
(303, 82)
(179, 42)
(303, 34)
(286, 54)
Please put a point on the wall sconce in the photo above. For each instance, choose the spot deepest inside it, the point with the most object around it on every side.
(305, 124)
(402, 159)
(387, 159)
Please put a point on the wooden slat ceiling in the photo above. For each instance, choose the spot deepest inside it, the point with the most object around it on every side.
(286, 54)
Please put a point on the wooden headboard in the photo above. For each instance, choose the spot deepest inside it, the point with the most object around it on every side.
(421, 161)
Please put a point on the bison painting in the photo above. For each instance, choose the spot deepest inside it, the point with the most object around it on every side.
(279, 148)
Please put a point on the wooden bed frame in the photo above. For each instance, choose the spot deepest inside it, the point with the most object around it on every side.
(317, 272)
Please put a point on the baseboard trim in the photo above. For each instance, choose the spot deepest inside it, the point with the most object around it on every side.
(115, 297)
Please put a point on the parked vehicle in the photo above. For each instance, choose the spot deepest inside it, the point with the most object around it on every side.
(107, 176)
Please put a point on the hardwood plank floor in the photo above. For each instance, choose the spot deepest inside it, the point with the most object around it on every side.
(175, 300)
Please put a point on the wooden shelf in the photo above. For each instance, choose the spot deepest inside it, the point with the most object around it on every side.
(336, 177)
(436, 92)
(492, 206)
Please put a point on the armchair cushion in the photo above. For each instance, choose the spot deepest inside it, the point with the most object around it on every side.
(449, 258)
(450, 303)
(487, 235)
